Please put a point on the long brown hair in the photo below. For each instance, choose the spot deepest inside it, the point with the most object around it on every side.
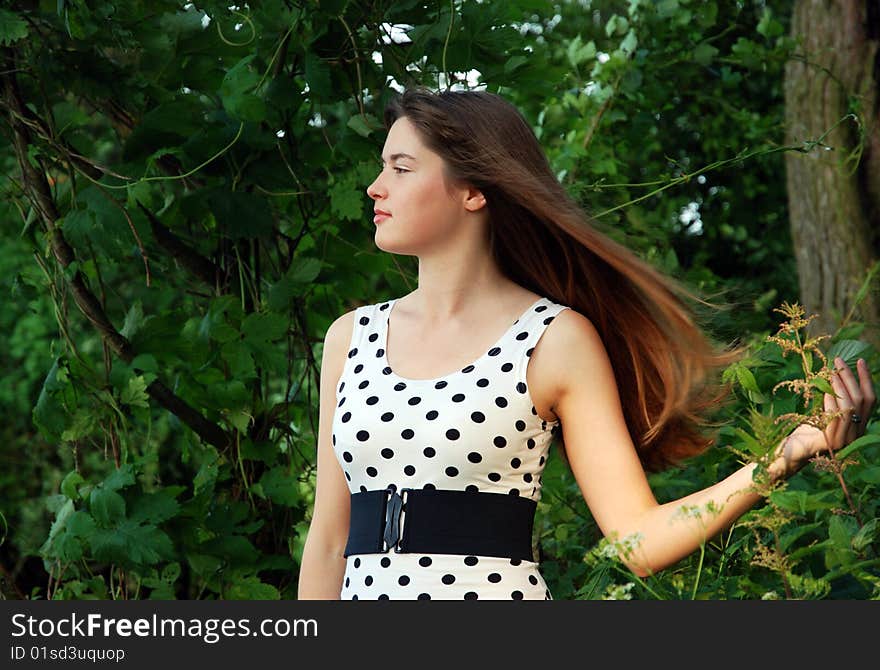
(544, 241)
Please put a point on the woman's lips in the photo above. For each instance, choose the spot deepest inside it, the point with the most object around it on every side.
(380, 216)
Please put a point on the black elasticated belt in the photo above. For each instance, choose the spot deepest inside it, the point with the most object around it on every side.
(439, 521)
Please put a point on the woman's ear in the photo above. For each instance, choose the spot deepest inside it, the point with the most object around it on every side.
(475, 200)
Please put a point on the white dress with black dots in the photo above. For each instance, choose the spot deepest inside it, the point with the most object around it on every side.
(474, 429)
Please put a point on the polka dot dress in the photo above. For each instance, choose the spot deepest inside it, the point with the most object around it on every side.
(475, 429)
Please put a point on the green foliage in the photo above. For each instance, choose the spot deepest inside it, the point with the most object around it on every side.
(207, 166)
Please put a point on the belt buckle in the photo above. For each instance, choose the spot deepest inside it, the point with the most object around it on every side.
(395, 512)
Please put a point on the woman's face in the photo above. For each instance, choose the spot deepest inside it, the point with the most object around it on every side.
(422, 211)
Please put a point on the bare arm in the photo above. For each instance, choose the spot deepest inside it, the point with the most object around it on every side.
(323, 565)
(606, 466)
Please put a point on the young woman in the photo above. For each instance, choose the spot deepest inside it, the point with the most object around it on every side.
(438, 408)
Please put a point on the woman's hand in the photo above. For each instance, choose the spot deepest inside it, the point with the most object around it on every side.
(855, 398)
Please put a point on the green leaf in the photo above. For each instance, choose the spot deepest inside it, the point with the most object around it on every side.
(69, 484)
(841, 531)
(135, 394)
(106, 506)
(261, 327)
(317, 74)
(578, 52)
(58, 525)
(704, 54)
(12, 28)
(120, 478)
(251, 588)
(81, 524)
(134, 317)
(131, 544)
(346, 199)
(281, 486)
(49, 412)
(155, 507)
(746, 379)
(822, 384)
(849, 350)
(364, 124)
(239, 359)
(866, 535)
(858, 443)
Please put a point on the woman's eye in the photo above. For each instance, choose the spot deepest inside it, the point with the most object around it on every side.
(400, 170)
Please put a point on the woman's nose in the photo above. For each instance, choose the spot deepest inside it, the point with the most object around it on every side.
(373, 189)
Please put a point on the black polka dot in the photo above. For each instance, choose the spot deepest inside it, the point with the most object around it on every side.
(385, 562)
(478, 417)
(409, 470)
(458, 397)
(501, 402)
(363, 435)
(372, 471)
(347, 457)
(452, 434)
(368, 580)
(494, 477)
(471, 560)
(448, 579)
(429, 452)
(425, 561)
(403, 580)
(387, 453)
(357, 562)
(517, 595)
(533, 580)
(474, 457)
(470, 595)
(515, 462)
(494, 577)
(424, 596)
(451, 471)
(500, 441)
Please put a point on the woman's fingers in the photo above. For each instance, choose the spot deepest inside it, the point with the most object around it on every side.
(867, 387)
(839, 403)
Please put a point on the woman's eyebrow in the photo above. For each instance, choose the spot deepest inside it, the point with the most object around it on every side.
(394, 157)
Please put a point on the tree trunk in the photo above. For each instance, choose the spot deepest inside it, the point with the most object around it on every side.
(834, 195)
